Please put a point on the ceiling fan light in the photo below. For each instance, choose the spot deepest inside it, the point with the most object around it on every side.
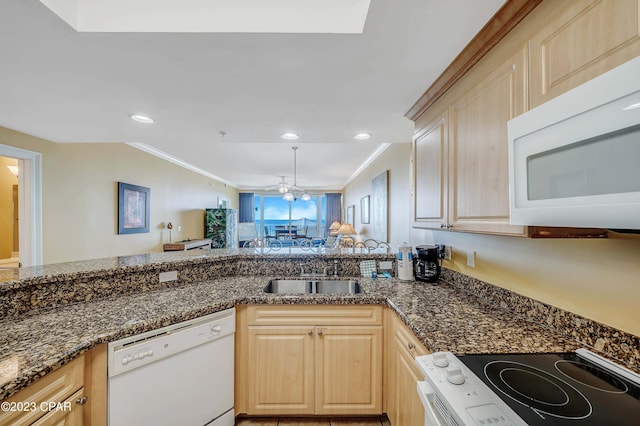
(283, 189)
(288, 196)
(305, 196)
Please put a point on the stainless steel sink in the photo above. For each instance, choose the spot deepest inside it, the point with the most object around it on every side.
(338, 286)
(307, 286)
(289, 286)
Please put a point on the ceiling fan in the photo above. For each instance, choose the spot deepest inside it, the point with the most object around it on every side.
(282, 187)
(287, 189)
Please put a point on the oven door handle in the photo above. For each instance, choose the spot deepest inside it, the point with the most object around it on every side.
(431, 416)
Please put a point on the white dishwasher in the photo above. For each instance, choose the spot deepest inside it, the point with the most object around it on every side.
(176, 375)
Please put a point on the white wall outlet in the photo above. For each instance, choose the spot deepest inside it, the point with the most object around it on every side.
(471, 258)
(179, 228)
(447, 252)
(168, 276)
(386, 265)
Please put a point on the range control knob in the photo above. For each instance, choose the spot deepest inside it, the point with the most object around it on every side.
(440, 359)
(455, 376)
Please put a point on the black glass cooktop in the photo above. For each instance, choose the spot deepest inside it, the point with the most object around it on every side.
(558, 389)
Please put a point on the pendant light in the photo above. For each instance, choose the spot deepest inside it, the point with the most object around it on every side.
(288, 195)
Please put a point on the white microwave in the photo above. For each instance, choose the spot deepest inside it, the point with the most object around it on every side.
(575, 160)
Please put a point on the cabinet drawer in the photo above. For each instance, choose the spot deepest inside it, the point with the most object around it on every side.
(407, 340)
(69, 413)
(54, 387)
(314, 315)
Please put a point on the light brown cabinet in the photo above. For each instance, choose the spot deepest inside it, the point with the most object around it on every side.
(58, 387)
(404, 407)
(460, 163)
(349, 369)
(281, 370)
(310, 360)
(461, 160)
(62, 416)
(75, 394)
(579, 41)
(478, 149)
(431, 174)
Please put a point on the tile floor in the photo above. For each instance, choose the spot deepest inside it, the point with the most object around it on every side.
(313, 421)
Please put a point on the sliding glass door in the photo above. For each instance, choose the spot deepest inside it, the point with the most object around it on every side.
(288, 221)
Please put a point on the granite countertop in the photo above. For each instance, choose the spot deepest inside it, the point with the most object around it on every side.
(26, 276)
(443, 317)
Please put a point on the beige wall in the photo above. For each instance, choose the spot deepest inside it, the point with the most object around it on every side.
(395, 159)
(80, 198)
(7, 180)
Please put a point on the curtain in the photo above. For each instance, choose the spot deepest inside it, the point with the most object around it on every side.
(333, 206)
(246, 211)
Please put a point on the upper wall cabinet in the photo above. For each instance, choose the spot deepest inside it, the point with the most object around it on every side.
(530, 52)
(581, 41)
(430, 174)
(461, 164)
(478, 155)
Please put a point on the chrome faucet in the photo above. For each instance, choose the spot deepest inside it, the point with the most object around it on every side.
(335, 268)
(311, 273)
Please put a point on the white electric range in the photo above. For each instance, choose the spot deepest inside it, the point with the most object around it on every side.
(580, 388)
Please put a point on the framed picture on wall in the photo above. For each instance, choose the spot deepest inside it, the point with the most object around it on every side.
(351, 210)
(133, 208)
(379, 204)
(364, 209)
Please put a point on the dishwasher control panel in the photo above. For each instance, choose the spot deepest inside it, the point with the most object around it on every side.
(139, 355)
(136, 351)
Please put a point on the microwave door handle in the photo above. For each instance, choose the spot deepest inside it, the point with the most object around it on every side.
(426, 393)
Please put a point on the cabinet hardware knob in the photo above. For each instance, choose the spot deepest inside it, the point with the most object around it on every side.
(310, 332)
(320, 333)
(81, 401)
(442, 225)
(411, 345)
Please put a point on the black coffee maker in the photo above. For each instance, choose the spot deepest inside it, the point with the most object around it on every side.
(427, 263)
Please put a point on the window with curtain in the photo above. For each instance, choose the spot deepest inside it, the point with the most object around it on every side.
(333, 209)
(246, 211)
(308, 217)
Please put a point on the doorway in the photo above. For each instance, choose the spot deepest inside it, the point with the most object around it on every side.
(15, 246)
(26, 204)
(8, 213)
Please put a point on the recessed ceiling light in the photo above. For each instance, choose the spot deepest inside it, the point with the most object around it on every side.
(362, 136)
(141, 118)
(632, 106)
(290, 136)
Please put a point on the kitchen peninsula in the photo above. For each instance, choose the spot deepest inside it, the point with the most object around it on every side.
(56, 313)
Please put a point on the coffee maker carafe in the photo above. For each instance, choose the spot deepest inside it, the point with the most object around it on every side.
(427, 264)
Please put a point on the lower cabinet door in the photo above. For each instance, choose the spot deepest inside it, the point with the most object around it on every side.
(349, 370)
(281, 370)
(409, 409)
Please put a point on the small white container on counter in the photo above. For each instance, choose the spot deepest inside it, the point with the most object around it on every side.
(405, 263)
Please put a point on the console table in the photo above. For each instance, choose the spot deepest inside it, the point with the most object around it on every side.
(187, 245)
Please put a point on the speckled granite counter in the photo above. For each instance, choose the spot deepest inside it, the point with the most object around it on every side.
(445, 316)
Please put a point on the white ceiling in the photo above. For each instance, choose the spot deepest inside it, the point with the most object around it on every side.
(68, 86)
